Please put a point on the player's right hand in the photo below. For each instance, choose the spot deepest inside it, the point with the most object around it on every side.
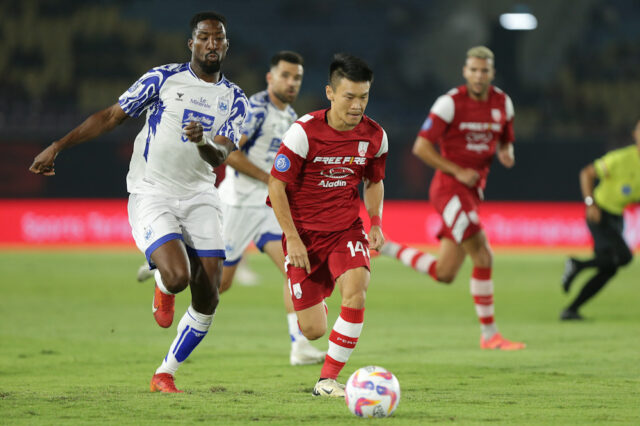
(469, 177)
(43, 163)
(297, 254)
(193, 131)
(593, 214)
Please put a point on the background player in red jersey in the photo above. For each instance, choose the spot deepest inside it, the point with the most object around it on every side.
(471, 123)
(313, 190)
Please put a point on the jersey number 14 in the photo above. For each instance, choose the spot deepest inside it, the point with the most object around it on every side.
(358, 247)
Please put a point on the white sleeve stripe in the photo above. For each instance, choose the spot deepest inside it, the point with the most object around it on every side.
(508, 106)
(296, 140)
(384, 145)
(444, 108)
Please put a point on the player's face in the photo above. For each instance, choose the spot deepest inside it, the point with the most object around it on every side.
(209, 45)
(284, 81)
(348, 101)
(479, 74)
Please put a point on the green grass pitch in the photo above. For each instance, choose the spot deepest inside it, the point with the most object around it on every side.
(78, 344)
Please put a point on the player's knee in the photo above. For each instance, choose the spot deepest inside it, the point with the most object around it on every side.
(313, 331)
(625, 258)
(446, 277)
(608, 270)
(176, 280)
(225, 284)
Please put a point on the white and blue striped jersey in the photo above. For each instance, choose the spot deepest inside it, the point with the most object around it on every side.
(164, 162)
(264, 127)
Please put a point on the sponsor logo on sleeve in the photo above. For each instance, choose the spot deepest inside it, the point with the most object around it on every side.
(282, 163)
(427, 124)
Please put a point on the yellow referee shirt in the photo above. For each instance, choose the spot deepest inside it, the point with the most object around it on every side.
(619, 174)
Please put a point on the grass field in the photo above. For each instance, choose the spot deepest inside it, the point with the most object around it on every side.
(78, 344)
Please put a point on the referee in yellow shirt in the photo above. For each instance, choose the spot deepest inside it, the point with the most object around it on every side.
(618, 175)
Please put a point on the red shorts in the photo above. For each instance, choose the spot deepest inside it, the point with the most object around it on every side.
(458, 208)
(331, 254)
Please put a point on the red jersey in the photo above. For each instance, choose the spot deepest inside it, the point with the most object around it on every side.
(323, 167)
(468, 130)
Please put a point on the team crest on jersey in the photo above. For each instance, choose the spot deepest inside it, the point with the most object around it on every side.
(362, 148)
(223, 105)
(148, 233)
(205, 120)
(496, 114)
(282, 163)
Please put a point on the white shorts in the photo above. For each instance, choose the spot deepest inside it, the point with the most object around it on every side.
(197, 221)
(243, 224)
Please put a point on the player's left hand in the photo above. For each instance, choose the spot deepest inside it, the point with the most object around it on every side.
(376, 239)
(194, 131)
(506, 155)
(43, 164)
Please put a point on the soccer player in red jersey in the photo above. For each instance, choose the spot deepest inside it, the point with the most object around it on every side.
(313, 190)
(471, 123)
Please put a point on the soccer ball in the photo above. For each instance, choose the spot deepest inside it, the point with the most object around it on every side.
(372, 392)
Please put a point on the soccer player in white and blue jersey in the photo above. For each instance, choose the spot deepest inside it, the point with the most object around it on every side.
(193, 121)
(244, 189)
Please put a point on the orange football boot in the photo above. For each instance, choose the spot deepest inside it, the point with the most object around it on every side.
(163, 308)
(163, 382)
(499, 342)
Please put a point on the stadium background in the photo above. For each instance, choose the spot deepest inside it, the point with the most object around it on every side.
(573, 80)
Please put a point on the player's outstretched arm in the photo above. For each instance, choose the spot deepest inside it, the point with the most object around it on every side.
(373, 195)
(243, 165)
(94, 126)
(425, 151)
(505, 155)
(296, 251)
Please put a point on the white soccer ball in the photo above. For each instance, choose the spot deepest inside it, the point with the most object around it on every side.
(372, 392)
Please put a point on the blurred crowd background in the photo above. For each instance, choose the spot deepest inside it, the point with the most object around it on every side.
(574, 80)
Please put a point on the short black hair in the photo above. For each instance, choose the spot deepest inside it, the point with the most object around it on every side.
(287, 56)
(350, 67)
(203, 16)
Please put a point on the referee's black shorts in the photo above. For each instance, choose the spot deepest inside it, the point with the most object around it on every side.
(608, 244)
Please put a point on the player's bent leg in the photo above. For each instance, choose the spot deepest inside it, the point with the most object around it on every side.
(228, 272)
(144, 272)
(413, 258)
(195, 323)
(302, 352)
(173, 263)
(206, 277)
(353, 285)
(450, 258)
(172, 276)
(313, 321)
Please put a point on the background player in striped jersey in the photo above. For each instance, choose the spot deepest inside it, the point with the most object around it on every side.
(471, 123)
(618, 176)
(313, 189)
(193, 120)
(244, 191)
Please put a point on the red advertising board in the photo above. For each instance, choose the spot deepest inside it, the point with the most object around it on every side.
(104, 222)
